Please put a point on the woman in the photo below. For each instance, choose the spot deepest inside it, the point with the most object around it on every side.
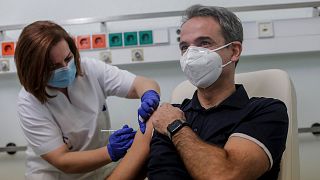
(62, 106)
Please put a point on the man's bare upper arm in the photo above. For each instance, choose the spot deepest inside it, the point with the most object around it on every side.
(248, 157)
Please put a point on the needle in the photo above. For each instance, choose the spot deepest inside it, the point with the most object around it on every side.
(108, 130)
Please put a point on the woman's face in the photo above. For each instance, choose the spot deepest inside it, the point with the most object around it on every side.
(60, 55)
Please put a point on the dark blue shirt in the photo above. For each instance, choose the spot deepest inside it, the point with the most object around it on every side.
(262, 120)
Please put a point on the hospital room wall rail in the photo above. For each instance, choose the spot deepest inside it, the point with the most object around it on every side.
(11, 148)
(103, 21)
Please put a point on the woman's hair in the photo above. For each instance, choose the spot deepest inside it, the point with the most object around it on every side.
(32, 56)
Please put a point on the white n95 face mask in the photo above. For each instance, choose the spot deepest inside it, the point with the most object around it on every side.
(202, 66)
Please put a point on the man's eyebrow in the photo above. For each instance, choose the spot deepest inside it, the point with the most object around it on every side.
(182, 43)
(202, 38)
(198, 40)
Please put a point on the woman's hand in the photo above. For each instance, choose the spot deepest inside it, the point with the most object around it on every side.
(149, 103)
(119, 142)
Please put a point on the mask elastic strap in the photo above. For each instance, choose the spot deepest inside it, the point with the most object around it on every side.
(226, 64)
(213, 50)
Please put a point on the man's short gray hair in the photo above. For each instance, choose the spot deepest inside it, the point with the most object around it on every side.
(230, 24)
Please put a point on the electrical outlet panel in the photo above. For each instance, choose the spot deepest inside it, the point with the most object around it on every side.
(130, 38)
(174, 35)
(7, 48)
(4, 65)
(84, 42)
(106, 56)
(160, 36)
(115, 40)
(99, 41)
(137, 55)
(145, 37)
(265, 29)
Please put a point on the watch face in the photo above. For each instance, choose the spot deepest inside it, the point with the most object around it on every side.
(174, 126)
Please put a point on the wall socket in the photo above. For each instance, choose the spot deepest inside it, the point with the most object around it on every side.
(174, 33)
(4, 65)
(265, 29)
(137, 55)
(106, 56)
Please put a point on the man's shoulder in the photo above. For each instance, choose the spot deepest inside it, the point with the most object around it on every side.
(267, 107)
(264, 102)
(184, 103)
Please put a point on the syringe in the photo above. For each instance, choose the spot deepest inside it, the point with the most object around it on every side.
(108, 130)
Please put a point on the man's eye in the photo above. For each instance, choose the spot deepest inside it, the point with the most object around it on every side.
(183, 48)
(205, 44)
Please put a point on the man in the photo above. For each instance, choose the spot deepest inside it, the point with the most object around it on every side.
(220, 133)
(227, 135)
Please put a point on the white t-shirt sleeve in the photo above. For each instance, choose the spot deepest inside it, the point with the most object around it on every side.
(40, 130)
(114, 81)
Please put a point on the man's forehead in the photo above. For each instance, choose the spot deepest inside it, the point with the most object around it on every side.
(200, 27)
(201, 20)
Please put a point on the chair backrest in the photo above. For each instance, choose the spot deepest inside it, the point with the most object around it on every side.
(273, 83)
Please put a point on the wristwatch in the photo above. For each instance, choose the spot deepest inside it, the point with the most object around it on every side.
(175, 126)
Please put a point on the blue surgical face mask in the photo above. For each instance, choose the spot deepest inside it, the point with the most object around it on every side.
(63, 77)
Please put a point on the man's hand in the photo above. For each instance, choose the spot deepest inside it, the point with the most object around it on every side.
(164, 115)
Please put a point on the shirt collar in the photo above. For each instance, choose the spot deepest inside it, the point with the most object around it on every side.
(238, 99)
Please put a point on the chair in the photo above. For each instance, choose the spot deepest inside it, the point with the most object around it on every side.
(273, 83)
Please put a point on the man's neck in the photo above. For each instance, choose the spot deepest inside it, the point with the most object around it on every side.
(215, 94)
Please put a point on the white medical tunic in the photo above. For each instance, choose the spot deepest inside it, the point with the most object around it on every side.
(76, 123)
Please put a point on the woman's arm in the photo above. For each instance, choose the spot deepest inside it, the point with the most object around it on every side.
(141, 85)
(85, 161)
(77, 162)
(131, 166)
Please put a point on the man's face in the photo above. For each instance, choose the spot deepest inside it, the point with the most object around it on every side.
(203, 32)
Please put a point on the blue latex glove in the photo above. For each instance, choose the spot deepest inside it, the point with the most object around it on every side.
(119, 142)
(149, 103)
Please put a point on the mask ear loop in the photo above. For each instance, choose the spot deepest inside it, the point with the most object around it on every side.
(213, 50)
(226, 64)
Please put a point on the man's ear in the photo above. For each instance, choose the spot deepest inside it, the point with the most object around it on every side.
(236, 49)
